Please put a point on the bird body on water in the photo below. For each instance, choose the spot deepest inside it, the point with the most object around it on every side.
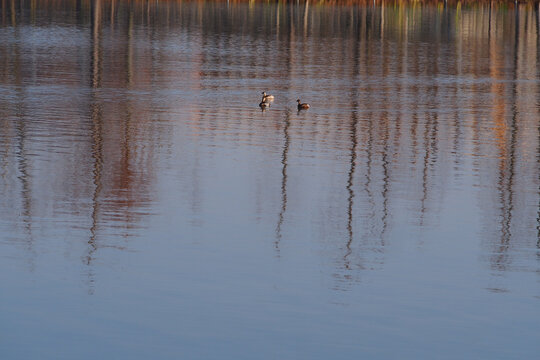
(302, 106)
(267, 97)
(264, 104)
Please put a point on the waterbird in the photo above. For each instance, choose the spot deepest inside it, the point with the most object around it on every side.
(267, 97)
(264, 104)
(302, 106)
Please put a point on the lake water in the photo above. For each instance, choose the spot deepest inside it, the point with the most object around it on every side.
(150, 210)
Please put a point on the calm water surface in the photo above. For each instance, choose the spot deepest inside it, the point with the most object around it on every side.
(150, 210)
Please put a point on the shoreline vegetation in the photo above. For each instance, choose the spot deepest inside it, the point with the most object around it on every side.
(10, 5)
(10, 10)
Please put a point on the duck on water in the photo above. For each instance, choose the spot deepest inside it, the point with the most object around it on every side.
(302, 106)
(264, 104)
(267, 97)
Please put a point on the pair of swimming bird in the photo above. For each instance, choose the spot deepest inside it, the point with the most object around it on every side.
(267, 98)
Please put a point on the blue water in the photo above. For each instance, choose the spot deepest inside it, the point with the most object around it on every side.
(150, 209)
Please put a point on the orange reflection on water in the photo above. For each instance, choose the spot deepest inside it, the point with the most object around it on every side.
(408, 99)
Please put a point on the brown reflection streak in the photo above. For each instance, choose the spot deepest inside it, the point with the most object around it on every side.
(537, 11)
(353, 151)
(129, 50)
(434, 140)
(425, 165)
(500, 129)
(368, 176)
(350, 190)
(96, 46)
(385, 122)
(385, 173)
(430, 136)
(414, 127)
(97, 128)
(33, 11)
(306, 11)
(113, 11)
(430, 155)
(367, 52)
(5, 128)
(507, 167)
(458, 133)
(24, 177)
(505, 187)
(13, 14)
(97, 155)
(284, 159)
(22, 156)
(125, 174)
